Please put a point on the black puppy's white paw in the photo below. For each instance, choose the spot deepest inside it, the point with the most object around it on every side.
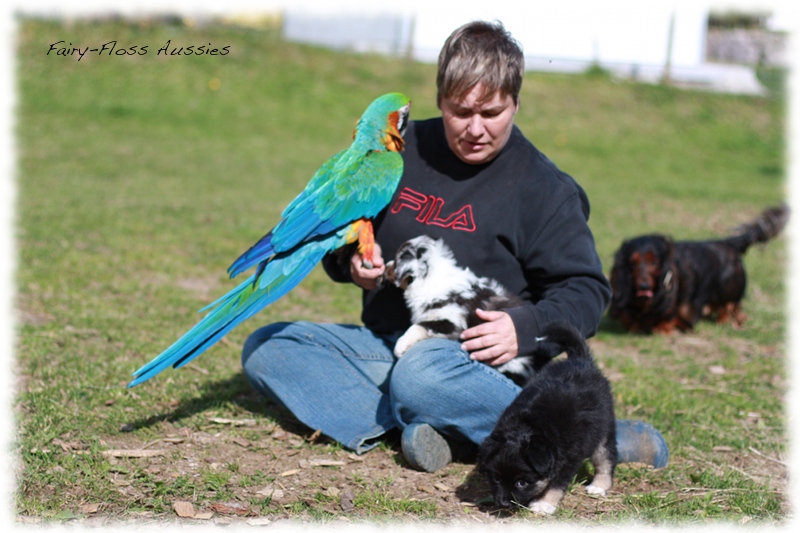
(542, 508)
(595, 491)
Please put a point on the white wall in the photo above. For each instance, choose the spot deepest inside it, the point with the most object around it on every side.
(611, 31)
(623, 32)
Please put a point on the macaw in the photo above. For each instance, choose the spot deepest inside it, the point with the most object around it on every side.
(335, 209)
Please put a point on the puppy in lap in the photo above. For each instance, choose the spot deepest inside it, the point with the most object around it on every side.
(443, 297)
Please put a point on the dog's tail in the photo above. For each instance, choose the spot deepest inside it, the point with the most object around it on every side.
(568, 338)
(764, 228)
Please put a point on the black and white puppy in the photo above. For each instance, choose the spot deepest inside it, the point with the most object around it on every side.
(564, 415)
(443, 297)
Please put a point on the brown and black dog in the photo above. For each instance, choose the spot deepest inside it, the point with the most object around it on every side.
(660, 285)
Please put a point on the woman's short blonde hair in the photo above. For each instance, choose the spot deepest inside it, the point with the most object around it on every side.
(480, 52)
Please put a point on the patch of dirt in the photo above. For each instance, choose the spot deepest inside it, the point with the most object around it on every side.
(276, 471)
(300, 476)
(304, 470)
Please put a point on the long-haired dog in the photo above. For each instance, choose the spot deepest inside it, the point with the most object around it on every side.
(442, 297)
(660, 285)
(564, 415)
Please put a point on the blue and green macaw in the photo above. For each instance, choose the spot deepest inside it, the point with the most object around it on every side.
(335, 209)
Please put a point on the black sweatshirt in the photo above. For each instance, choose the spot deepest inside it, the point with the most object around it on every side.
(517, 219)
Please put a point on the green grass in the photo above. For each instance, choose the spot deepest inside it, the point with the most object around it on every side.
(138, 183)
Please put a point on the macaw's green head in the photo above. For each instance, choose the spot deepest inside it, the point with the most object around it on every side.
(386, 120)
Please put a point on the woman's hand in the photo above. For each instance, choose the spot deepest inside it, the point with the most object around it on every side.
(367, 278)
(493, 342)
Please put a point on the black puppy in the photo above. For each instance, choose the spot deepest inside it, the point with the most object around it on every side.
(564, 414)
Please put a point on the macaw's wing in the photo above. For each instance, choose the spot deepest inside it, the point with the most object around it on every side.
(264, 249)
(344, 189)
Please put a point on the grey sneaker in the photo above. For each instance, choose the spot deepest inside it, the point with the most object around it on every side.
(424, 448)
(639, 442)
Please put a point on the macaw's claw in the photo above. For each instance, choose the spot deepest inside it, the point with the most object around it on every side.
(366, 263)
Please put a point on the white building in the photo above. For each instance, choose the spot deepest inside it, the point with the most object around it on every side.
(635, 39)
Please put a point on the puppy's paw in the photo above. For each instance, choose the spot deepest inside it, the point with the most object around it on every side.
(413, 335)
(542, 508)
(400, 348)
(595, 491)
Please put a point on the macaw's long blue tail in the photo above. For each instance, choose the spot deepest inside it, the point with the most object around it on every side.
(278, 277)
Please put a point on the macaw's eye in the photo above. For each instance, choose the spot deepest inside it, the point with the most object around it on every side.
(521, 484)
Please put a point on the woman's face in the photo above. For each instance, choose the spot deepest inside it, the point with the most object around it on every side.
(478, 129)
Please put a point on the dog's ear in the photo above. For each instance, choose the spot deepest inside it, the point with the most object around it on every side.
(666, 250)
(666, 257)
(621, 282)
(406, 280)
(540, 457)
(488, 449)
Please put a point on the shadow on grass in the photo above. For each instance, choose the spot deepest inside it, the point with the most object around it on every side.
(235, 391)
(475, 490)
(614, 327)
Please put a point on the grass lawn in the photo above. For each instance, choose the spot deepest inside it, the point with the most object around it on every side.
(141, 177)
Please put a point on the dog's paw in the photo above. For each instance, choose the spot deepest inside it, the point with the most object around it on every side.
(413, 335)
(542, 508)
(403, 344)
(595, 491)
(400, 348)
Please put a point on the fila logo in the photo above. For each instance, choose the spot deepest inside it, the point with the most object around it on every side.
(429, 211)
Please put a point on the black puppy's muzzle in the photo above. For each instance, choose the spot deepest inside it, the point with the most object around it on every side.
(502, 501)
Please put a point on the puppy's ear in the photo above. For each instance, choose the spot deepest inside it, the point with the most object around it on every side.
(488, 449)
(405, 281)
(540, 457)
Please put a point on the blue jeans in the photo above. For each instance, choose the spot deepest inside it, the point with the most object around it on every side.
(345, 381)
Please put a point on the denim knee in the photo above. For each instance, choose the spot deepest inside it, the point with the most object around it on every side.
(436, 382)
(419, 373)
(428, 382)
(254, 358)
(259, 337)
